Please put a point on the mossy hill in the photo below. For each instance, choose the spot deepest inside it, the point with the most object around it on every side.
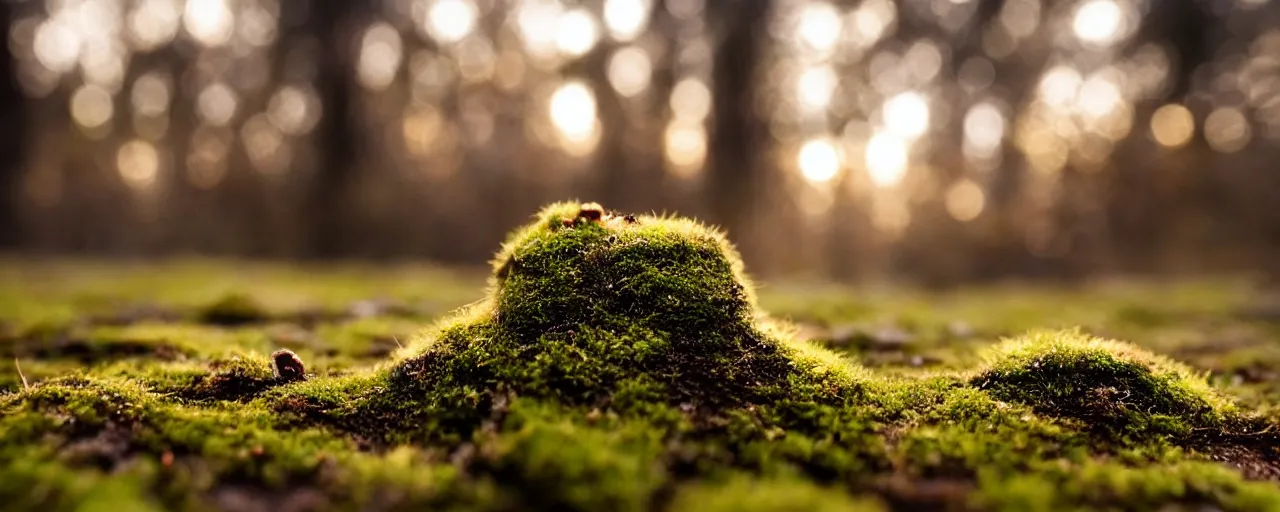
(619, 362)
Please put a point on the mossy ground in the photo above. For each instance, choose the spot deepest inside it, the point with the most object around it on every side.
(625, 364)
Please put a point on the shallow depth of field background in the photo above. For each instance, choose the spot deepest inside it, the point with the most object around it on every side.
(939, 141)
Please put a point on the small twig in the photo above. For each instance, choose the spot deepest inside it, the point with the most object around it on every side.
(397, 340)
(25, 385)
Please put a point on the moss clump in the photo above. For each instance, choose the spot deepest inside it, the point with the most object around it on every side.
(237, 378)
(780, 494)
(233, 309)
(1110, 386)
(606, 312)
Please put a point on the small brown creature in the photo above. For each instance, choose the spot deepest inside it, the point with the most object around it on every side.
(287, 366)
(592, 212)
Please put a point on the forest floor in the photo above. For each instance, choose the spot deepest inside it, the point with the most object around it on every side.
(151, 386)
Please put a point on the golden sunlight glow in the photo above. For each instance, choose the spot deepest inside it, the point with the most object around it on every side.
(819, 26)
(138, 164)
(209, 22)
(626, 19)
(573, 111)
(819, 160)
(150, 96)
(1172, 125)
(217, 104)
(577, 32)
(691, 99)
(965, 201)
(57, 45)
(685, 143)
(91, 106)
(380, 56)
(906, 115)
(815, 86)
(629, 71)
(886, 158)
(448, 21)
(1227, 130)
(1098, 22)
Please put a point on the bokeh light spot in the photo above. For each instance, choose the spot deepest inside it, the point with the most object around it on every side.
(150, 96)
(381, 52)
(573, 111)
(217, 104)
(965, 201)
(1227, 130)
(691, 99)
(448, 21)
(686, 147)
(819, 160)
(209, 22)
(1098, 22)
(91, 106)
(577, 33)
(626, 19)
(907, 115)
(629, 71)
(1172, 125)
(138, 164)
(819, 26)
(815, 86)
(886, 158)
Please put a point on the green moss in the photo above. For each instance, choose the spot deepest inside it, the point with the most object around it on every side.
(609, 314)
(619, 363)
(742, 492)
(1092, 485)
(1110, 386)
(233, 309)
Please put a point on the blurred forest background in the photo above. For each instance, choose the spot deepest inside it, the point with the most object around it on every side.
(937, 140)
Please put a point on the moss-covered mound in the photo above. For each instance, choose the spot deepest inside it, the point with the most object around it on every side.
(604, 312)
(1111, 386)
(614, 363)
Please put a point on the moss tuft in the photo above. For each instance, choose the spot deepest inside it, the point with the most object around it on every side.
(233, 309)
(1110, 386)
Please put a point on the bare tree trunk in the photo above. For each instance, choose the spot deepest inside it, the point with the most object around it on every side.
(10, 136)
(738, 136)
(328, 202)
